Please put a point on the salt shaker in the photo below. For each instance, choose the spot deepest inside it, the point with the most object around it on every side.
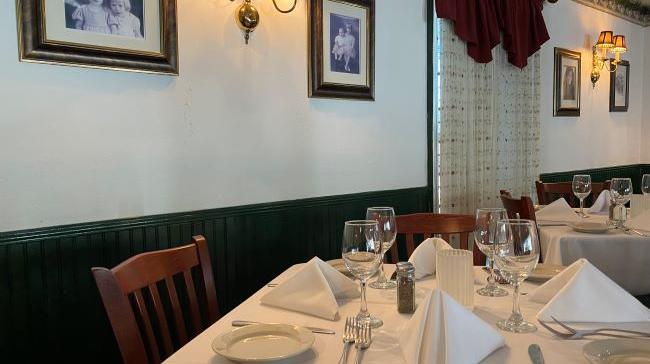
(405, 287)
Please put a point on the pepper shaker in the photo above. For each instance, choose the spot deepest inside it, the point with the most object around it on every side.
(405, 287)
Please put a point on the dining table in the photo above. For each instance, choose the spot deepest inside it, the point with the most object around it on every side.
(622, 256)
(384, 348)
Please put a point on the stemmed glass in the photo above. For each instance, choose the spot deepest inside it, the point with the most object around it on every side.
(582, 189)
(516, 255)
(385, 217)
(484, 237)
(621, 190)
(645, 184)
(362, 256)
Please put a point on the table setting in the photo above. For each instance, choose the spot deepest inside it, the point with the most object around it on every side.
(440, 310)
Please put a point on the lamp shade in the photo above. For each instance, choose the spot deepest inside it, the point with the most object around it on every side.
(619, 44)
(605, 39)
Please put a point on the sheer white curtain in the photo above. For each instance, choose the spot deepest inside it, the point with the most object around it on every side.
(488, 126)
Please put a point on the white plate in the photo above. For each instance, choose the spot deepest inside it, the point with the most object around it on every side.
(263, 342)
(619, 351)
(544, 272)
(339, 265)
(590, 227)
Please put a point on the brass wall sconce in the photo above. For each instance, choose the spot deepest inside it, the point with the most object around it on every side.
(248, 18)
(607, 43)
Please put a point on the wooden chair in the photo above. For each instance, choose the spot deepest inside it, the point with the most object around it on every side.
(429, 224)
(130, 289)
(549, 192)
(522, 206)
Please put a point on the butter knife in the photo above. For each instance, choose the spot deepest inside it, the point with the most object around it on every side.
(535, 353)
(318, 330)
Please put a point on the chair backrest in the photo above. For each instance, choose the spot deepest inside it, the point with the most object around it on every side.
(549, 192)
(522, 206)
(130, 289)
(429, 224)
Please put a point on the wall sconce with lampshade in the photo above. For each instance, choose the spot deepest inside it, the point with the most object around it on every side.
(248, 18)
(607, 43)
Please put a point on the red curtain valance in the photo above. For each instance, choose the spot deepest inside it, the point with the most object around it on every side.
(480, 22)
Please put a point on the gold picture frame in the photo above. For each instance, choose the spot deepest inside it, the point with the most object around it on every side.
(161, 56)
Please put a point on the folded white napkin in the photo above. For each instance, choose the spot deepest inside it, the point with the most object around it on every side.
(557, 211)
(602, 203)
(582, 293)
(640, 222)
(424, 256)
(313, 290)
(439, 332)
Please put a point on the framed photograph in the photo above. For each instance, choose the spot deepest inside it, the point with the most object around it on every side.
(342, 49)
(566, 83)
(131, 35)
(619, 87)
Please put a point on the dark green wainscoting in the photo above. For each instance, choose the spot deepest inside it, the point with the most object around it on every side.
(635, 172)
(50, 307)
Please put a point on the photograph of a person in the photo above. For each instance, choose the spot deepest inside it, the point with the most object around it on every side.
(569, 83)
(344, 35)
(566, 83)
(620, 87)
(111, 17)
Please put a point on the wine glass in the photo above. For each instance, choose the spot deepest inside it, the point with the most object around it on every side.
(645, 184)
(582, 189)
(621, 189)
(484, 234)
(385, 217)
(362, 256)
(516, 255)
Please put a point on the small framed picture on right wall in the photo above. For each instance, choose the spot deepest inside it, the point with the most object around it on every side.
(619, 87)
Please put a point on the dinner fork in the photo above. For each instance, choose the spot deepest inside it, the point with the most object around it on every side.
(577, 334)
(363, 340)
(349, 334)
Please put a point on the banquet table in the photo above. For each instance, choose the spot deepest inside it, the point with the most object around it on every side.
(327, 348)
(623, 258)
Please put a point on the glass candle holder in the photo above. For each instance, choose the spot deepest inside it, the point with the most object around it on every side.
(455, 274)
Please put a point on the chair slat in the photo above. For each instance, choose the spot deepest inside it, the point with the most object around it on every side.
(146, 321)
(393, 254)
(464, 244)
(193, 302)
(410, 244)
(162, 320)
(176, 310)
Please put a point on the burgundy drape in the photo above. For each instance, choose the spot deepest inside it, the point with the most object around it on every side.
(480, 22)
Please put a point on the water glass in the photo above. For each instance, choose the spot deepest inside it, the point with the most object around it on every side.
(385, 217)
(455, 274)
(645, 184)
(484, 233)
(581, 189)
(621, 192)
(516, 255)
(361, 253)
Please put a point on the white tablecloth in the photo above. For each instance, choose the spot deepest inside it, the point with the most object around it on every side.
(624, 258)
(327, 348)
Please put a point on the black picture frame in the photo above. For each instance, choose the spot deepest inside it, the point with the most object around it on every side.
(562, 55)
(318, 87)
(613, 107)
(33, 46)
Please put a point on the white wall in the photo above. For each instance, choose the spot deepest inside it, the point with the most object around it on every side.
(597, 138)
(235, 128)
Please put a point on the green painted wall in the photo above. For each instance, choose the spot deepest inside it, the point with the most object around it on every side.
(51, 310)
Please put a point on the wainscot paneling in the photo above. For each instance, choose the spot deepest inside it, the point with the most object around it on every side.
(51, 310)
(635, 172)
